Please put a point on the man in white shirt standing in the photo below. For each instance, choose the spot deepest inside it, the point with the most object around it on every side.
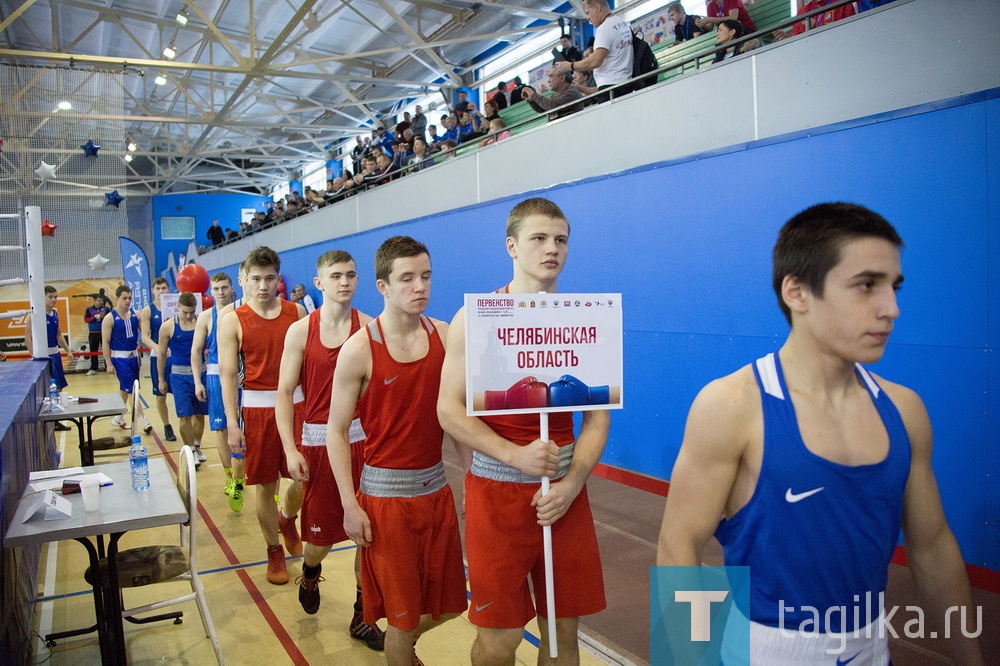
(611, 60)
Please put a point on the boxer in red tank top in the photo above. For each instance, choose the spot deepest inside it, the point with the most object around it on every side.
(503, 539)
(257, 330)
(403, 516)
(312, 346)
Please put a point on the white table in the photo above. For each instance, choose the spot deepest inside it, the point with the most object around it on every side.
(122, 510)
(108, 404)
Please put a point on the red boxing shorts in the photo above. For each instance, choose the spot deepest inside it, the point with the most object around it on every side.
(414, 565)
(503, 543)
(265, 458)
(322, 513)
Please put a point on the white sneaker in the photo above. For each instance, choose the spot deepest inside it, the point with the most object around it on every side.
(147, 427)
(91, 373)
(198, 455)
(119, 421)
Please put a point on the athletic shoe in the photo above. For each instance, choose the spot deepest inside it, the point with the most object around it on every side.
(168, 433)
(230, 484)
(369, 634)
(60, 426)
(290, 535)
(277, 574)
(236, 497)
(119, 422)
(91, 373)
(309, 590)
(147, 427)
(198, 455)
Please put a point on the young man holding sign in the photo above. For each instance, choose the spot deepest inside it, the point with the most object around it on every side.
(503, 503)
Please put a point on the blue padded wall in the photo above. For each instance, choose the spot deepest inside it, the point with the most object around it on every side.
(688, 244)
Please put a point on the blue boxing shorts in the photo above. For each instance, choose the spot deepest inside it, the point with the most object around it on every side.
(127, 370)
(154, 375)
(58, 374)
(186, 403)
(216, 408)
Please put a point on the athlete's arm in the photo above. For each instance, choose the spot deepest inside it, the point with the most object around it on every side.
(166, 332)
(464, 452)
(198, 352)
(107, 325)
(705, 472)
(145, 328)
(933, 554)
(61, 339)
(27, 335)
(284, 408)
(349, 380)
(537, 459)
(229, 352)
(300, 310)
(586, 455)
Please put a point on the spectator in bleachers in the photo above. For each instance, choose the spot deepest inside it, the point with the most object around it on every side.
(462, 105)
(490, 111)
(865, 5)
(419, 123)
(561, 83)
(403, 124)
(447, 146)
(421, 158)
(685, 25)
(825, 18)
(232, 235)
(381, 174)
(313, 197)
(383, 140)
(611, 60)
(357, 152)
(471, 126)
(215, 234)
(515, 93)
(432, 135)
(401, 156)
(244, 229)
(719, 10)
(451, 132)
(498, 132)
(300, 296)
(334, 188)
(569, 51)
(500, 97)
(729, 30)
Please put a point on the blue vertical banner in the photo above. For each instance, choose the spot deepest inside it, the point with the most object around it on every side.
(690, 614)
(135, 272)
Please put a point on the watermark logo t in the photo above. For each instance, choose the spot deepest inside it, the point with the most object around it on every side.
(701, 610)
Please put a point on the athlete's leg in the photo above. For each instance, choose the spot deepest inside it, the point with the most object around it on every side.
(495, 647)
(267, 512)
(225, 453)
(313, 555)
(293, 499)
(566, 636)
(187, 430)
(399, 644)
(161, 409)
(198, 427)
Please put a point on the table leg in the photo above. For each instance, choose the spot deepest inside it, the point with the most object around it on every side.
(113, 604)
(86, 450)
(90, 440)
(99, 593)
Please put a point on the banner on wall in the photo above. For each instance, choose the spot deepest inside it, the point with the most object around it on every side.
(13, 330)
(135, 272)
(168, 305)
(534, 353)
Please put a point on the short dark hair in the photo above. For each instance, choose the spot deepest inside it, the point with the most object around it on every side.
(809, 245)
(333, 257)
(534, 206)
(49, 289)
(220, 277)
(262, 257)
(160, 280)
(187, 299)
(397, 247)
(733, 25)
(122, 288)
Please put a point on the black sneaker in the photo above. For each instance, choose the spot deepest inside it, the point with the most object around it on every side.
(369, 634)
(60, 426)
(309, 590)
(168, 433)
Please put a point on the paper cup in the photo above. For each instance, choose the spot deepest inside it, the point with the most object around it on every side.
(91, 491)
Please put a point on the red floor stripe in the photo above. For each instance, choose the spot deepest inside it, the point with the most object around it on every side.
(265, 609)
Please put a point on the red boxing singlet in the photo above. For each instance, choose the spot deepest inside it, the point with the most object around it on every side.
(318, 364)
(399, 405)
(523, 429)
(263, 342)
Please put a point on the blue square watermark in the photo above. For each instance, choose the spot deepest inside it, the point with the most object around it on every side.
(688, 610)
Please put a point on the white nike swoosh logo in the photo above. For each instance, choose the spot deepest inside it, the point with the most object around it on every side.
(480, 608)
(389, 381)
(792, 498)
(402, 614)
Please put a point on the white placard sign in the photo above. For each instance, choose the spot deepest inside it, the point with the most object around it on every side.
(168, 305)
(533, 353)
(53, 506)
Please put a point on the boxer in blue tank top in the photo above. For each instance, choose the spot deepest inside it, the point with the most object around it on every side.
(120, 342)
(205, 354)
(54, 340)
(815, 464)
(150, 322)
(176, 335)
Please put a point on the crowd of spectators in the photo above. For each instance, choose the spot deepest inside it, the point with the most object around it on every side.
(414, 144)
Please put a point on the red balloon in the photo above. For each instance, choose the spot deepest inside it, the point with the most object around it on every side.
(49, 229)
(207, 301)
(282, 288)
(193, 278)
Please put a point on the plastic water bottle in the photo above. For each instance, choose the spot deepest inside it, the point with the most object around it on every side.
(54, 401)
(140, 464)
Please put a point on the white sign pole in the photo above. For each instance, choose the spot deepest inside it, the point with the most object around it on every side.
(550, 592)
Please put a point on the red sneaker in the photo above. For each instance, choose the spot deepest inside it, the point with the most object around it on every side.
(277, 574)
(290, 535)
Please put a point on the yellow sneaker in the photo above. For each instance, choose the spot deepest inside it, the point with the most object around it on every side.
(236, 497)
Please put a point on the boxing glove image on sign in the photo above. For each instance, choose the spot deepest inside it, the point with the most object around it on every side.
(536, 353)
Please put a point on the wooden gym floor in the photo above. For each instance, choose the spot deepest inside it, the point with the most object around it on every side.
(257, 622)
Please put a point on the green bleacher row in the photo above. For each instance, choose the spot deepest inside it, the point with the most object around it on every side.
(763, 12)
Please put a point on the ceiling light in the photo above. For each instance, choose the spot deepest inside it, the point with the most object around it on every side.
(131, 146)
(128, 158)
(65, 106)
(182, 17)
(160, 80)
(170, 51)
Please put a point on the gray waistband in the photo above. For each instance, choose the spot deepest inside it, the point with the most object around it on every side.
(488, 468)
(384, 482)
(314, 434)
(181, 369)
